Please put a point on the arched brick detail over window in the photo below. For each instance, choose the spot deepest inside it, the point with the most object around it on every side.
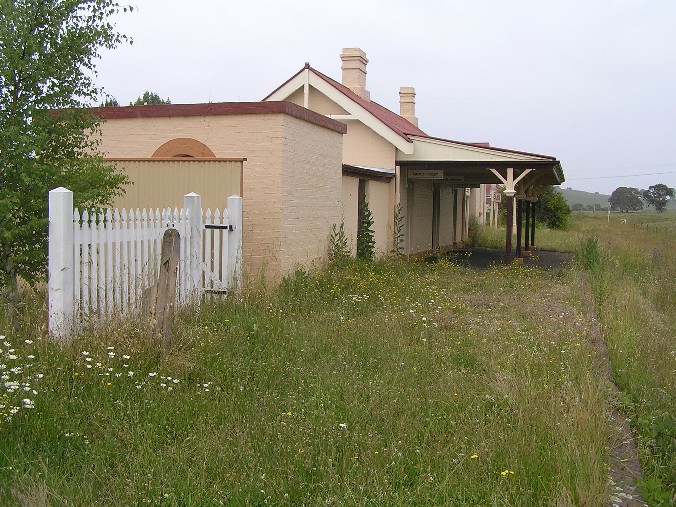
(183, 147)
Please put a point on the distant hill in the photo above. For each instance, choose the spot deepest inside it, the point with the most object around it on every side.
(590, 199)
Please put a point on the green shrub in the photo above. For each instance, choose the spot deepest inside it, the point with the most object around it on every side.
(552, 208)
(365, 236)
(398, 236)
(339, 252)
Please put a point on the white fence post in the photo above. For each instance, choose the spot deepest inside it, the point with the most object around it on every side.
(60, 262)
(99, 264)
(235, 243)
(193, 203)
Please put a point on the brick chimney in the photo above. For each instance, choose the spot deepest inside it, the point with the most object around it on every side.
(407, 104)
(354, 71)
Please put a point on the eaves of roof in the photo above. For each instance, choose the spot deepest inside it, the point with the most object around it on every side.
(218, 109)
(486, 146)
(373, 173)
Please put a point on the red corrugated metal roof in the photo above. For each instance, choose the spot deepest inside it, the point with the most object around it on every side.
(397, 123)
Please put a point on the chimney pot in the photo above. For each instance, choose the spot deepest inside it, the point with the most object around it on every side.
(354, 71)
(407, 104)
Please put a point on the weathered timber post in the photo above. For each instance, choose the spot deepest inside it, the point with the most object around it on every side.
(508, 228)
(526, 235)
(166, 287)
(519, 224)
(532, 227)
(510, 191)
(60, 284)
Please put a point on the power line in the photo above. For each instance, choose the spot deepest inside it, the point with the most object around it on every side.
(664, 164)
(620, 176)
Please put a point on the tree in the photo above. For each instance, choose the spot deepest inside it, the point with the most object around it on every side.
(365, 240)
(658, 196)
(149, 98)
(110, 102)
(48, 50)
(626, 199)
(552, 208)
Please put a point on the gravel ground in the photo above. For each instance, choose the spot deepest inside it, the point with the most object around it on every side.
(483, 258)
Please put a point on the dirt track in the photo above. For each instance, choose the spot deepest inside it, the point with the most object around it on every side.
(624, 467)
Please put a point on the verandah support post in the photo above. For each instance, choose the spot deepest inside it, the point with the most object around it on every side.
(60, 263)
(508, 227)
(532, 228)
(519, 225)
(510, 184)
(455, 217)
(526, 245)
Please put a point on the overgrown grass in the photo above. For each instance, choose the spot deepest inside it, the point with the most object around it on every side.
(632, 268)
(631, 259)
(375, 384)
(545, 238)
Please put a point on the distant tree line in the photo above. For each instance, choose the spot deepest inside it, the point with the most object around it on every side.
(589, 207)
(626, 199)
(148, 98)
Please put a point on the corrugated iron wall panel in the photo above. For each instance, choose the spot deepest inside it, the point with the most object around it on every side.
(158, 183)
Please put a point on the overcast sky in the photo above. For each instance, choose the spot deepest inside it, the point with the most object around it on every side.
(592, 83)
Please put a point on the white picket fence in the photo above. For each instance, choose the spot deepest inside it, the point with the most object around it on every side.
(101, 263)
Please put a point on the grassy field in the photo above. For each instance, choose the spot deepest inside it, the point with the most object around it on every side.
(631, 261)
(374, 384)
(632, 269)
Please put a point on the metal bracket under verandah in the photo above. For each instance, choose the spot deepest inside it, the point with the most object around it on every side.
(438, 164)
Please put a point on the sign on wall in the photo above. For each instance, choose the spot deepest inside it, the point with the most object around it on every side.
(426, 174)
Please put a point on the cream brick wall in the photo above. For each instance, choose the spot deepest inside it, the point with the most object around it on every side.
(361, 147)
(312, 192)
(446, 217)
(380, 196)
(318, 102)
(420, 219)
(265, 140)
(476, 209)
(460, 203)
(418, 195)
(381, 204)
(350, 212)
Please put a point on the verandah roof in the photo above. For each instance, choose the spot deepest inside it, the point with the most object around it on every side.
(472, 162)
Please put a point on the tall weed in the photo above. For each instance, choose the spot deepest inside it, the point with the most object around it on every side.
(631, 269)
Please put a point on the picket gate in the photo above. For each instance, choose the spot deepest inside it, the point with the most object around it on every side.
(101, 263)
